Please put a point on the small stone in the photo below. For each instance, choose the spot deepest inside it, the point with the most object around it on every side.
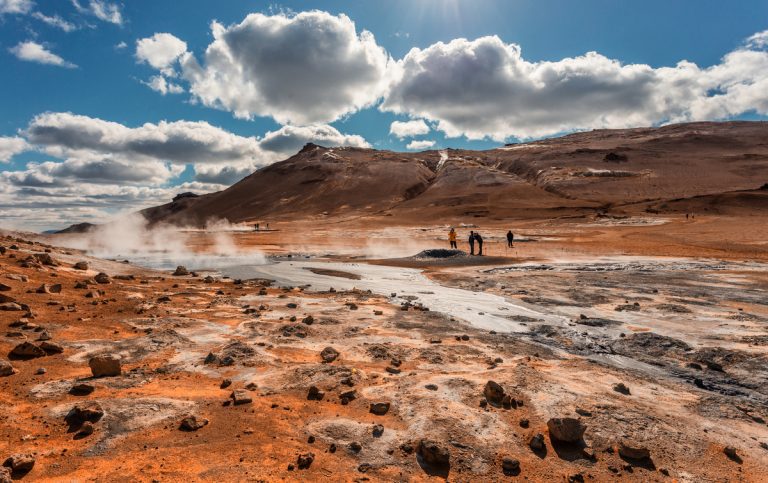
(493, 392)
(102, 278)
(510, 466)
(239, 396)
(329, 354)
(309, 320)
(730, 452)
(621, 388)
(379, 408)
(355, 447)
(105, 366)
(392, 370)
(86, 411)
(6, 369)
(40, 371)
(181, 270)
(51, 347)
(85, 430)
(80, 266)
(378, 430)
(305, 460)
(633, 451)
(192, 423)
(225, 383)
(431, 387)
(537, 442)
(82, 389)
(315, 394)
(524, 423)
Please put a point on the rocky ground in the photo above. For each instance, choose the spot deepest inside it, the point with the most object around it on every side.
(113, 372)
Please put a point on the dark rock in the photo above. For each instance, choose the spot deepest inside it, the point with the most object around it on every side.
(239, 396)
(105, 366)
(730, 452)
(378, 430)
(537, 442)
(524, 423)
(309, 320)
(80, 266)
(82, 389)
(329, 354)
(305, 460)
(379, 408)
(225, 383)
(431, 387)
(633, 451)
(434, 454)
(88, 411)
(510, 466)
(192, 423)
(20, 463)
(6, 369)
(180, 271)
(315, 394)
(493, 392)
(355, 447)
(102, 278)
(51, 347)
(621, 388)
(567, 430)
(11, 307)
(347, 396)
(49, 288)
(27, 350)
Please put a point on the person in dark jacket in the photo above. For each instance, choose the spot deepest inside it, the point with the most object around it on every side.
(479, 241)
(510, 238)
(471, 242)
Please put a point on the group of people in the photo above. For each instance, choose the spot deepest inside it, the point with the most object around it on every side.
(476, 238)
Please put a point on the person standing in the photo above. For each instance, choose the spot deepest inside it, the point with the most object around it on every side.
(471, 242)
(452, 238)
(510, 238)
(479, 241)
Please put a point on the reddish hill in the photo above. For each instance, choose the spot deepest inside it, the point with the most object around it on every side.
(582, 171)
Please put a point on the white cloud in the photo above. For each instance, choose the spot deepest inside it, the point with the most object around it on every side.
(16, 6)
(55, 21)
(305, 69)
(159, 84)
(103, 10)
(758, 40)
(121, 45)
(33, 52)
(160, 51)
(289, 139)
(11, 146)
(64, 134)
(420, 145)
(406, 129)
(485, 88)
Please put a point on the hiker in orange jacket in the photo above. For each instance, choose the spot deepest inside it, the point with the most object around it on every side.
(452, 238)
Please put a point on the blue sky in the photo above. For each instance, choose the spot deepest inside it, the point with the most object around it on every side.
(497, 86)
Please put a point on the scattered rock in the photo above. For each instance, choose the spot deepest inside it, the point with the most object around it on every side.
(225, 383)
(82, 389)
(355, 447)
(434, 454)
(180, 271)
(88, 411)
(86, 429)
(524, 423)
(493, 392)
(315, 394)
(730, 452)
(105, 366)
(80, 266)
(329, 354)
(192, 423)
(305, 460)
(51, 347)
(49, 288)
(633, 451)
(567, 430)
(379, 408)
(6, 369)
(40, 371)
(621, 388)
(27, 350)
(239, 396)
(378, 430)
(431, 387)
(102, 278)
(537, 442)
(11, 307)
(510, 466)
(20, 463)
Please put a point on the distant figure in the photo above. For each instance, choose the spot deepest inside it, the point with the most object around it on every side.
(471, 242)
(256, 226)
(452, 238)
(479, 240)
(267, 226)
(510, 238)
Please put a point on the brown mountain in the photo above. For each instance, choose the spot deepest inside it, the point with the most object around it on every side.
(677, 167)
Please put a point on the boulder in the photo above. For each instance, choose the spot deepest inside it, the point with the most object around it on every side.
(27, 350)
(567, 430)
(433, 453)
(329, 354)
(80, 266)
(105, 366)
(51, 347)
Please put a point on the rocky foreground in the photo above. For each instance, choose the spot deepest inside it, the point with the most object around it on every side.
(110, 372)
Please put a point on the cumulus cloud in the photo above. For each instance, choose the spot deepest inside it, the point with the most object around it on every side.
(485, 88)
(16, 6)
(160, 84)
(34, 52)
(11, 146)
(289, 139)
(160, 51)
(64, 134)
(419, 145)
(406, 129)
(55, 21)
(308, 68)
(106, 11)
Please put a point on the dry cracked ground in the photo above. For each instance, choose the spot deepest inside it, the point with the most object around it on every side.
(109, 372)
